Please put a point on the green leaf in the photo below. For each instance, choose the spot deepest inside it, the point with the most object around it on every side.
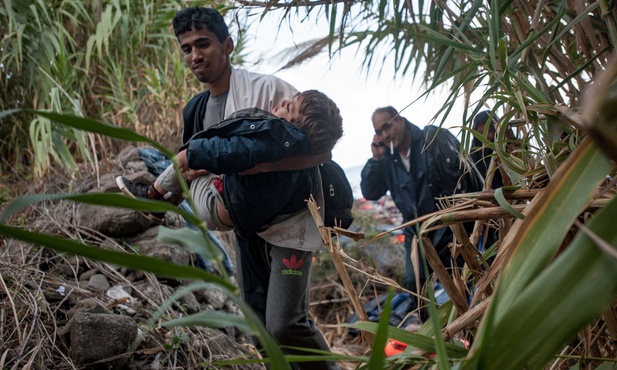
(8, 112)
(572, 292)
(378, 355)
(212, 319)
(499, 197)
(101, 199)
(137, 262)
(255, 326)
(90, 125)
(419, 341)
(192, 239)
(549, 218)
(533, 244)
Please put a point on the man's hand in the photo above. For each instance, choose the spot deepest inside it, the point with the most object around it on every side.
(188, 174)
(378, 148)
(292, 163)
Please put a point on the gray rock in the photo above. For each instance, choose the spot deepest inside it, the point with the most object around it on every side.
(68, 270)
(89, 305)
(143, 177)
(110, 221)
(190, 302)
(86, 305)
(135, 167)
(128, 154)
(98, 282)
(74, 260)
(134, 276)
(214, 297)
(113, 222)
(148, 245)
(86, 275)
(214, 344)
(103, 184)
(100, 337)
(156, 294)
(233, 308)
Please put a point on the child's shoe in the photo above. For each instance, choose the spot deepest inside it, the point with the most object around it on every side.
(139, 190)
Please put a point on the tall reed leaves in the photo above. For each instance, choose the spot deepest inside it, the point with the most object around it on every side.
(539, 305)
(549, 218)
(574, 290)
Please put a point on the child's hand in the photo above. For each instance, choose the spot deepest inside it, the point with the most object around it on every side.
(183, 161)
(188, 174)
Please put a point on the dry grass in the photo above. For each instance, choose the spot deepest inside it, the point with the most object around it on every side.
(33, 314)
(38, 302)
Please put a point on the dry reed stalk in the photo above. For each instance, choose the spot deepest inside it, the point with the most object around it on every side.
(490, 194)
(338, 264)
(468, 250)
(12, 306)
(24, 341)
(375, 277)
(466, 320)
(3, 359)
(610, 316)
(432, 258)
(445, 217)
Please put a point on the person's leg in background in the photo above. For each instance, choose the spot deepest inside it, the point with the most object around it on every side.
(253, 271)
(411, 283)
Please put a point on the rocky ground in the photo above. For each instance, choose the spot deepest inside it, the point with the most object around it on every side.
(65, 312)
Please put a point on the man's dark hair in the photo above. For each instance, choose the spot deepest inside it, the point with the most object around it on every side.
(199, 18)
(389, 109)
(320, 120)
(481, 119)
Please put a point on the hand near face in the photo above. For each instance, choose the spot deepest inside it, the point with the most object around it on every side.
(377, 147)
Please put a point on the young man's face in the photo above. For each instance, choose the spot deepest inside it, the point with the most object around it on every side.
(490, 135)
(205, 55)
(389, 130)
(288, 109)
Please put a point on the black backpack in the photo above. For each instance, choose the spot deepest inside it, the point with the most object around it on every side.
(446, 175)
(338, 196)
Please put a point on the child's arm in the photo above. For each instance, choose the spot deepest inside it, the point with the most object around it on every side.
(291, 163)
(238, 153)
(188, 174)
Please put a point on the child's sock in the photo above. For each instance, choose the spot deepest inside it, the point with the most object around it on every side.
(153, 193)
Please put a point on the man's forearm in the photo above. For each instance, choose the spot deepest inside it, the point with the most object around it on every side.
(292, 163)
(372, 180)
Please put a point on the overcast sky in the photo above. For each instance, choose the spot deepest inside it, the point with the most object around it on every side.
(344, 82)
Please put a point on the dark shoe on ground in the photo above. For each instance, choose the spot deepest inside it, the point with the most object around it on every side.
(138, 190)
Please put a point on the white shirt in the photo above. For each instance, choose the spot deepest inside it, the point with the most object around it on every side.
(248, 90)
(256, 90)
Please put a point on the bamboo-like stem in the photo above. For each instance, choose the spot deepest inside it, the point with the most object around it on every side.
(465, 320)
(340, 267)
(610, 316)
(609, 18)
(459, 300)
